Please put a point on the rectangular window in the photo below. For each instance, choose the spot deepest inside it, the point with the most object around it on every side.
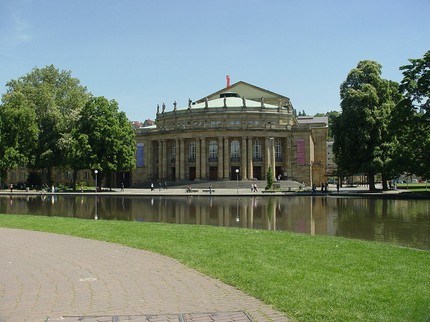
(140, 155)
(192, 151)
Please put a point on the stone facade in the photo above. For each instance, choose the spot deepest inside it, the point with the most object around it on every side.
(232, 132)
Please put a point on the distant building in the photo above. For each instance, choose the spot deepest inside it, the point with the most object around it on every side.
(148, 122)
(331, 166)
(136, 124)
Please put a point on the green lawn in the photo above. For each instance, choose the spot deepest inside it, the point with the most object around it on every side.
(414, 186)
(310, 278)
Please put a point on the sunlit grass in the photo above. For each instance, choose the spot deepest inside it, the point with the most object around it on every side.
(310, 278)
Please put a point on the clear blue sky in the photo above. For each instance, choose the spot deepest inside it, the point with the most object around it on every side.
(143, 53)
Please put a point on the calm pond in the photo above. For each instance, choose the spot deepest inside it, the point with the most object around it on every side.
(401, 222)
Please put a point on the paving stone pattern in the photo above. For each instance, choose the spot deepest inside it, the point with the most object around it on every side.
(49, 277)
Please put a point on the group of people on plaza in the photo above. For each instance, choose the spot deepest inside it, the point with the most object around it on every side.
(324, 188)
(159, 186)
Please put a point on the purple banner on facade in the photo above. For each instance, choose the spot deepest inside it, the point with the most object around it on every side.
(300, 152)
(140, 155)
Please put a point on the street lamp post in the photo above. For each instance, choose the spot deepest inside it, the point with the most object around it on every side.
(237, 181)
(95, 172)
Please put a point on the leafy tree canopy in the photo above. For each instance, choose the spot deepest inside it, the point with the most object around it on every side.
(362, 141)
(104, 138)
(414, 111)
(415, 85)
(18, 132)
(56, 99)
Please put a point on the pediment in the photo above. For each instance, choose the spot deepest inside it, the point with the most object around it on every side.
(251, 92)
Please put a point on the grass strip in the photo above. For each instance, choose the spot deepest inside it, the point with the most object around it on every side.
(310, 278)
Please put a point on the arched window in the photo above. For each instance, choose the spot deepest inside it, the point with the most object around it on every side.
(192, 151)
(235, 150)
(213, 150)
(278, 150)
(256, 150)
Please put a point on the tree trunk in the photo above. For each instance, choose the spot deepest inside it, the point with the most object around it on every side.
(48, 176)
(75, 175)
(371, 180)
(384, 182)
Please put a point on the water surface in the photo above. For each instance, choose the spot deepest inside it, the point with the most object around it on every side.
(401, 222)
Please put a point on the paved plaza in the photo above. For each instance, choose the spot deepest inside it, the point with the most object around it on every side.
(50, 277)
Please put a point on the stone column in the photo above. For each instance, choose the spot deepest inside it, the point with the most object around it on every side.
(203, 159)
(198, 176)
(220, 158)
(226, 159)
(147, 150)
(176, 159)
(165, 162)
(243, 160)
(285, 157)
(272, 152)
(182, 159)
(266, 156)
(160, 159)
(250, 164)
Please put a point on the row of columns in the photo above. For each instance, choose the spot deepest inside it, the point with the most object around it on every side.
(223, 165)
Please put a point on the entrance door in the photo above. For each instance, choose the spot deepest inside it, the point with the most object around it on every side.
(173, 173)
(192, 173)
(213, 173)
(279, 173)
(257, 172)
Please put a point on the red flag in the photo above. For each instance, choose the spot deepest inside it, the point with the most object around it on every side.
(228, 81)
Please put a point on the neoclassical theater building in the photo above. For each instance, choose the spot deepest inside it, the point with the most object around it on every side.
(237, 132)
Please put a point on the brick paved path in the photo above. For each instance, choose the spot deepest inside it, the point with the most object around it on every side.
(49, 277)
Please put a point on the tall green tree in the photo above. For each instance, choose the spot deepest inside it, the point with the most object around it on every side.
(414, 130)
(362, 141)
(56, 99)
(269, 178)
(104, 139)
(18, 132)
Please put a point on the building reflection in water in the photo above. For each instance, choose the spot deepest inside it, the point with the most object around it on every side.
(404, 222)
